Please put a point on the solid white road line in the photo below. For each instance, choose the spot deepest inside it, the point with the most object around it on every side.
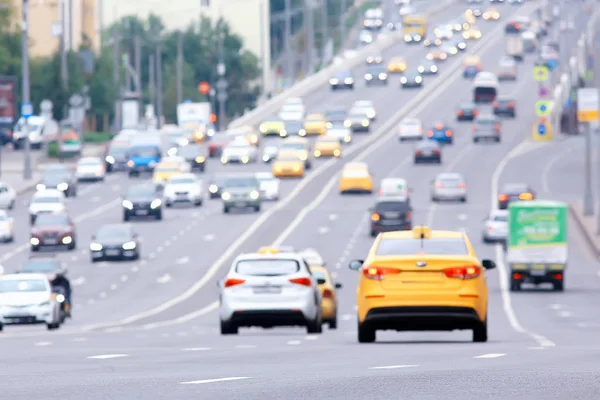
(42, 344)
(491, 355)
(107, 356)
(203, 381)
(196, 349)
(294, 342)
(245, 346)
(548, 167)
(394, 366)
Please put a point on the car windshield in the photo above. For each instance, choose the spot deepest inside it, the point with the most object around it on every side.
(41, 266)
(167, 168)
(391, 206)
(238, 146)
(49, 220)
(452, 182)
(149, 152)
(293, 146)
(90, 162)
(433, 246)
(411, 122)
(275, 267)
(500, 218)
(485, 121)
(21, 286)
(117, 150)
(240, 182)
(287, 158)
(319, 275)
(3, 217)
(515, 188)
(313, 259)
(139, 191)
(314, 118)
(46, 199)
(113, 232)
(376, 70)
(467, 106)
(182, 181)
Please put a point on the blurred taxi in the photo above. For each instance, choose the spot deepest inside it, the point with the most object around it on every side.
(473, 33)
(314, 124)
(491, 14)
(397, 65)
(472, 66)
(273, 126)
(441, 133)
(300, 147)
(356, 178)
(329, 303)
(422, 280)
(437, 55)
(469, 17)
(165, 170)
(328, 146)
(288, 165)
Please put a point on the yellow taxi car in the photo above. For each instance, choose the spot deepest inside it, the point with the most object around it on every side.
(397, 65)
(199, 131)
(491, 15)
(422, 280)
(356, 178)
(246, 132)
(329, 303)
(315, 124)
(288, 165)
(300, 147)
(437, 55)
(473, 33)
(469, 18)
(328, 146)
(166, 170)
(273, 127)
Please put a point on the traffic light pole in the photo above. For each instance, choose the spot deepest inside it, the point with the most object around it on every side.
(222, 82)
(26, 89)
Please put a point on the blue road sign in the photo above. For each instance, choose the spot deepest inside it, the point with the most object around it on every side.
(26, 110)
(543, 108)
(542, 129)
(187, 101)
(552, 64)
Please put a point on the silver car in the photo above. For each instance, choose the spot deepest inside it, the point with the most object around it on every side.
(269, 186)
(240, 191)
(410, 129)
(238, 152)
(496, 227)
(449, 186)
(340, 131)
(486, 127)
(358, 121)
(269, 290)
(269, 153)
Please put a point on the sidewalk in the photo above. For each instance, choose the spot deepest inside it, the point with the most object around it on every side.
(587, 225)
(12, 165)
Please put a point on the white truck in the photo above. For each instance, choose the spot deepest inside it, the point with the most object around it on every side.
(514, 46)
(193, 113)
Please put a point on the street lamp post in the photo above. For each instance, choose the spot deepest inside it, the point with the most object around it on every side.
(26, 89)
(221, 82)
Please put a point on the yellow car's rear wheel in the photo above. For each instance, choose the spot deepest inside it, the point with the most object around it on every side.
(365, 334)
(480, 332)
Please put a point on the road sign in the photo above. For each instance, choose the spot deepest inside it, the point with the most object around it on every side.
(26, 110)
(542, 108)
(204, 88)
(542, 131)
(540, 73)
(552, 64)
(587, 104)
(543, 92)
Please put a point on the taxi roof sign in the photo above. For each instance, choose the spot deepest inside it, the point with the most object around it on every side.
(268, 250)
(421, 232)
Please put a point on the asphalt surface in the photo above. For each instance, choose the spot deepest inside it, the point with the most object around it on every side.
(542, 344)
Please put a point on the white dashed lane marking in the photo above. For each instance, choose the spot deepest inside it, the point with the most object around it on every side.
(107, 356)
(196, 349)
(323, 230)
(182, 260)
(42, 344)
(78, 281)
(204, 381)
(294, 342)
(208, 238)
(394, 366)
(491, 355)
(245, 346)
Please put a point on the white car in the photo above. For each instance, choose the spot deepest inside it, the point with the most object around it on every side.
(292, 112)
(449, 186)
(6, 227)
(269, 185)
(269, 290)
(238, 152)
(269, 153)
(184, 188)
(28, 299)
(8, 196)
(294, 101)
(365, 106)
(496, 227)
(410, 129)
(49, 201)
(340, 131)
(90, 168)
(365, 37)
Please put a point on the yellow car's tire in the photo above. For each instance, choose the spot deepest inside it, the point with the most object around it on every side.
(365, 334)
(480, 334)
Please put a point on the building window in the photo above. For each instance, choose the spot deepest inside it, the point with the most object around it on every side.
(205, 3)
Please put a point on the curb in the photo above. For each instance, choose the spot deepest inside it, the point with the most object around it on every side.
(589, 238)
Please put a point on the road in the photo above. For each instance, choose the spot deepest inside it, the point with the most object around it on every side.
(542, 344)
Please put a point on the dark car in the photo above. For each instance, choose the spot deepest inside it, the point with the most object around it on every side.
(428, 151)
(43, 264)
(342, 80)
(514, 192)
(374, 59)
(195, 155)
(294, 128)
(466, 112)
(142, 201)
(215, 185)
(6, 136)
(116, 156)
(376, 74)
(59, 177)
(115, 242)
(504, 107)
(390, 215)
(428, 67)
(53, 230)
(487, 127)
(411, 79)
(335, 115)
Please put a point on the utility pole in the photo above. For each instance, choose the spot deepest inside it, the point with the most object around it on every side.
(137, 55)
(221, 82)
(64, 64)
(151, 81)
(117, 77)
(309, 36)
(26, 90)
(287, 42)
(343, 8)
(325, 31)
(179, 68)
(159, 86)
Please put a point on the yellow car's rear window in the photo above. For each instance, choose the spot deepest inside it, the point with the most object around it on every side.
(433, 246)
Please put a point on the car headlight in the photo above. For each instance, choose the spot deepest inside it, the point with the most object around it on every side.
(347, 139)
(302, 132)
(129, 246)
(371, 114)
(368, 77)
(265, 159)
(429, 56)
(417, 37)
(213, 188)
(172, 152)
(109, 159)
(466, 35)
(347, 123)
(365, 122)
(317, 153)
(283, 133)
(263, 128)
(403, 80)
(224, 160)
(254, 195)
(60, 298)
(433, 68)
(211, 132)
(333, 81)
(200, 159)
(62, 186)
(130, 164)
(40, 187)
(370, 60)
(183, 142)
(421, 69)
(95, 247)
(155, 203)
(383, 76)
(34, 241)
(348, 81)
(407, 38)
(226, 196)
(245, 159)
(67, 240)
(127, 204)
(418, 79)
(443, 56)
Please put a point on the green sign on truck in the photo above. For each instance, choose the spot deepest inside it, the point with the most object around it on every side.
(537, 248)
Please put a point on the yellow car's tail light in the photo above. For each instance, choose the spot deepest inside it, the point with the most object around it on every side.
(378, 273)
(463, 273)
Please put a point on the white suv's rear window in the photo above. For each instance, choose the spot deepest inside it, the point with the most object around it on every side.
(275, 267)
